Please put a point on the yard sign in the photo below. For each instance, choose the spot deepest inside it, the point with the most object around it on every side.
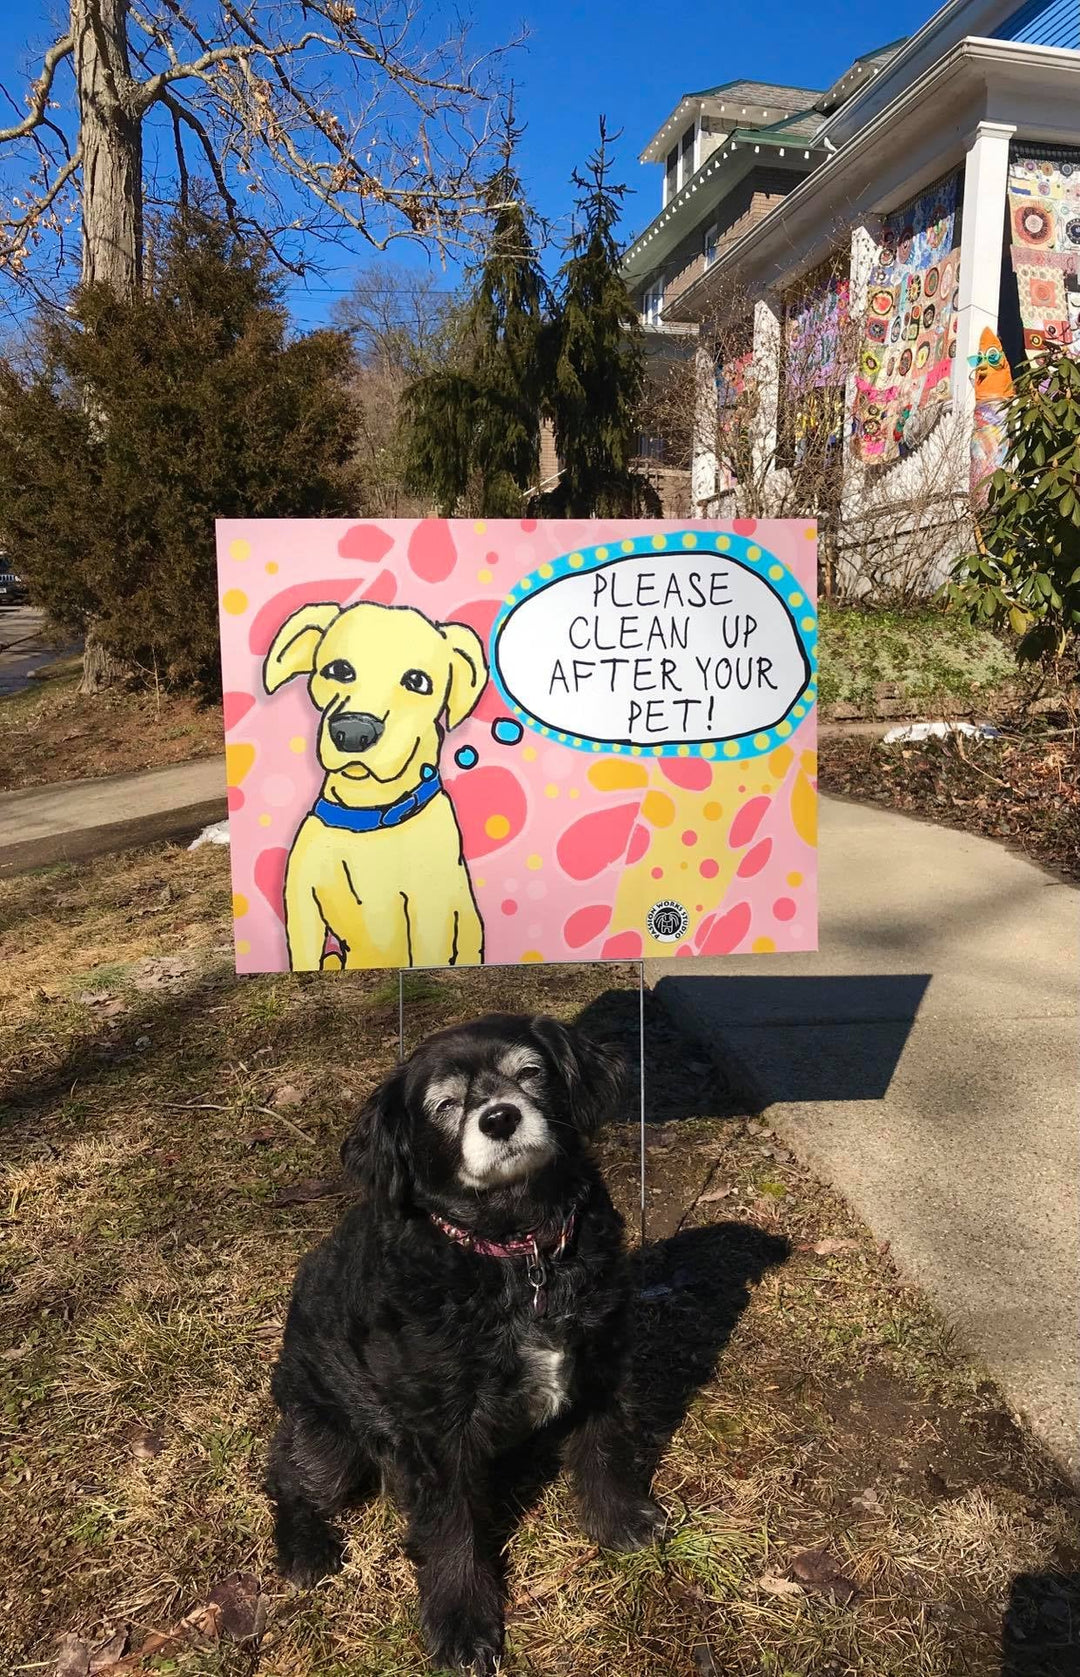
(452, 742)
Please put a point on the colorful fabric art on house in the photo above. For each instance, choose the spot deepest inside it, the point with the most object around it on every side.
(815, 360)
(909, 335)
(993, 386)
(1044, 215)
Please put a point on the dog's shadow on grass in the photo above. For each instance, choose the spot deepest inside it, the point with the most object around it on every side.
(689, 1293)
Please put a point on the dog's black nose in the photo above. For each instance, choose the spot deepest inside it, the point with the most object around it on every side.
(500, 1122)
(355, 730)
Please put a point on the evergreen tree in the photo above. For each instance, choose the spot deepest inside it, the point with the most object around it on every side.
(596, 388)
(138, 421)
(472, 428)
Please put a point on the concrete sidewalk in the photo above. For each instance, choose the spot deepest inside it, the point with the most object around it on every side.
(927, 1063)
(79, 818)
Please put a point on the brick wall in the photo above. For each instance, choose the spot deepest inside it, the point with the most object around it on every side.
(747, 203)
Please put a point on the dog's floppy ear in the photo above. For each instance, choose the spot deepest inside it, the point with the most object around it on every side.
(468, 670)
(293, 651)
(377, 1150)
(592, 1072)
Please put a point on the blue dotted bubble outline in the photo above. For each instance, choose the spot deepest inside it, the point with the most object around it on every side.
(741, 550)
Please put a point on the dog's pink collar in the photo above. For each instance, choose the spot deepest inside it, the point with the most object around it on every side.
(522, 1246)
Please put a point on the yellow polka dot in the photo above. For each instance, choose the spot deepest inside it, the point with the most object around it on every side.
(635, 751)
(753, 553)
(766, 786)
(575, 561)
(239, 905)
(496, 826)
(731, 748)
(601, 553)
(525, 583)
(238, 761)
(271, 567)
(534, 862)
(574, 792)
(551, 790)
(683, 751)
(798, 710)
(761, 742)
(657, 750)
(763, 946)
(480, 526)
(781, 760)
(265, 820)
(810, 532)
(708, 750)
(510, 600)
(776, 572)
(689, 540)
(480, 883)
(627, 547)
(240, 549)
(484, 575)
(298, 744)
(659, 542)
(807, 622)
(243, 947)
(532, 955)
(596, 745)
(234, 601)
(723, 543)
(529, 754)
(610, 776)
(795, 599)
(575, 743)
(658, 808)
(794, 879)
(713, 811)
(547, 571)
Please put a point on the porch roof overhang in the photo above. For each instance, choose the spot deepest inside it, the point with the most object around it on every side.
(918, 137)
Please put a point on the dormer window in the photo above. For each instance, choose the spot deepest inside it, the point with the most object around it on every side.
(671, 175)
(652, 304)
(686, 156)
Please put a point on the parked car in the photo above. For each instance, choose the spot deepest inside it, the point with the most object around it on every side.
(13, 590)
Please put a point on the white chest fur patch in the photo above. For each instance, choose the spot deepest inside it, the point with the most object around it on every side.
(545, 1376)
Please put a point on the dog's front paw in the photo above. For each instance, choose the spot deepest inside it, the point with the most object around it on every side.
(318, 1555)
(467, 1642)
(623, 1524)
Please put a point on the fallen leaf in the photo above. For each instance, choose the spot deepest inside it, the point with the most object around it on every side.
(826, 1248)
(203, 1622)
(242, 1607)
(260, 1137)
(774, 1585)
(142, 1042)
(817, 1571)
(145, 1445)
(528, 1592)
(715, 1194)
(162, 972)
(312, 1188)
(94, 998)
(72, 1657)
(287, 1095)
(869, 1500)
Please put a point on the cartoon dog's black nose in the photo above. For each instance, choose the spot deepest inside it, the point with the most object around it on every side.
(355, 730)
(500, 1122)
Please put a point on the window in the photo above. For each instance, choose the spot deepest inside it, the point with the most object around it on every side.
(652, 304)
(712, 235)
(671, 174)
(686, 157)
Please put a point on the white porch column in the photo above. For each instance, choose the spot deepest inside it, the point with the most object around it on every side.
(767, 390)
(986, 176)
(865, 242)
(703, 454)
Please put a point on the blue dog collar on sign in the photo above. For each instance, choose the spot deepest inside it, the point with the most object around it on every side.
(370, 820)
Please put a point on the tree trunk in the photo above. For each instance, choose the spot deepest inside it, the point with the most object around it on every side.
(110, 133)
(100, 668)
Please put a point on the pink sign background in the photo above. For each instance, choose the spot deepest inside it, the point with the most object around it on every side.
(568, 849)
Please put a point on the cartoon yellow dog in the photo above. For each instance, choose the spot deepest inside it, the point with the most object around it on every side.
(378, 862)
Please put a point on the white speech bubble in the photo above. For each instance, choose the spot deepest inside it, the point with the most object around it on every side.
(654, 649)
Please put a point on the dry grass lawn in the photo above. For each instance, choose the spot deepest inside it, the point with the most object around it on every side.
(169, 1140)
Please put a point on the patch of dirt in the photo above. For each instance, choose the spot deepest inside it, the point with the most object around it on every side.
(1023, 788)
(847, 1496)
(48, 733)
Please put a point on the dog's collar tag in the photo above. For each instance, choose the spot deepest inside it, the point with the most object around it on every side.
(538, 1271)
(370, 820)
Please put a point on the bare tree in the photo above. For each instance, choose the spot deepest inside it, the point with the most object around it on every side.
(312, 119)
(399, 318)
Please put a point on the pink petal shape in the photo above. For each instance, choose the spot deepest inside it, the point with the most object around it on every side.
(640, 840)
(432, 553)
(723, 933)
(270, 878)
(236, 706)
(594, 842)
(747, 822)
(755, 859)
(366, 542)
(625, 946)
(585, 924)
(693, 774)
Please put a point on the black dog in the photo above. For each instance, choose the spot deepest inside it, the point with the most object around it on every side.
(479, 1294)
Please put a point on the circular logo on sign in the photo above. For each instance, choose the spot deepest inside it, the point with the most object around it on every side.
(667, 921)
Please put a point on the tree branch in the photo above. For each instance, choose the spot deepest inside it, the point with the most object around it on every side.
(40, 90)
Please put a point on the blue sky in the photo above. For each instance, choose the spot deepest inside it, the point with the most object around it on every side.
(631, 60)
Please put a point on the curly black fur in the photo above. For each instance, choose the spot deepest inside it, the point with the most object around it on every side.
(412, 1361)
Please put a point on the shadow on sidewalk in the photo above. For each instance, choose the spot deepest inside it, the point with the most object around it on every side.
(1040, 1633)
(801, 1039)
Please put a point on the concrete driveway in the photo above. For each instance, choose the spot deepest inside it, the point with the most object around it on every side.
(927, 1063)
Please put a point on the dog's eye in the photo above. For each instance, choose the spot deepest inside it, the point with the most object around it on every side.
(525, 1072)
(338, 669)
(447, 1105)
(417, 681)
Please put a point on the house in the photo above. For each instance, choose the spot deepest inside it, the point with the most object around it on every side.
(843, 251)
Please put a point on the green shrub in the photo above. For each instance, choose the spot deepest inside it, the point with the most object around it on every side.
(131, 426)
